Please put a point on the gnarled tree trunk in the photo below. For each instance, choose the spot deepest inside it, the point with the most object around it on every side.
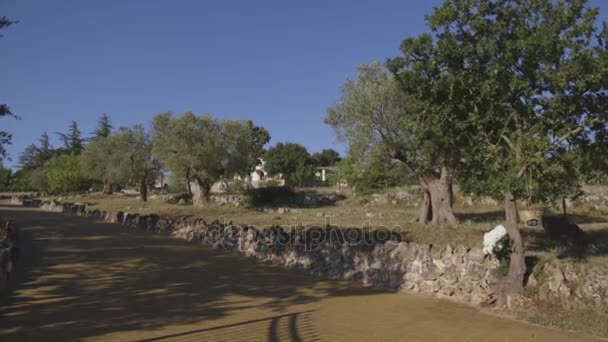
(426, 211)
(189, 188)
(143, 188)
(107, 188)
(513, 282)
(442, 198)
(201, 191)
(437, 198)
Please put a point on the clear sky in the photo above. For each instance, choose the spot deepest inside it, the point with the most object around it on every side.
(279, 63)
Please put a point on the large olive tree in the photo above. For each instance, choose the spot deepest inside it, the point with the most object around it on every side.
(530, 81)
(375, 116)
(204, 148)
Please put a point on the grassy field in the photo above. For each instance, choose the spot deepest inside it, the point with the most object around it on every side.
(353, 211)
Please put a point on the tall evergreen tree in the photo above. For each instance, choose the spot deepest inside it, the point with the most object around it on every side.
(28, 159)
(45, 149)
(104, 127)
(72, 141)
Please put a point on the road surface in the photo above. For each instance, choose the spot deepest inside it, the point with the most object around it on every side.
(84, 280)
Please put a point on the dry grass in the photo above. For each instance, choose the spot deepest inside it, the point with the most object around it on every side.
(590, 319)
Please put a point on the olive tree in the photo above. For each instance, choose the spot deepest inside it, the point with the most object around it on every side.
(204, 148)
(124, 156)
(530, 81)
(377, 117)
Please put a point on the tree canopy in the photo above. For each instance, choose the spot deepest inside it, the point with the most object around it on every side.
(73, 142)
(291, 160)
(377, 115)
(327, 157)
(63, 175)
(203, 147)
(104, 127)
(525, 83)
(124, 157)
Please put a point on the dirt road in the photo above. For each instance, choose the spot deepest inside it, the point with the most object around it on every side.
(82, 280)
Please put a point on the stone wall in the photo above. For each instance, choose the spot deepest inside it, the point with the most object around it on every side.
(570, 282)
(9, 250)
(373, 258)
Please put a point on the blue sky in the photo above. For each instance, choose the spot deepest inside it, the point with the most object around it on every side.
(279, 63)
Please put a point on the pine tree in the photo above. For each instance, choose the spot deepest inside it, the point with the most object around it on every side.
(45, 149)
(104, 128)
(72, 141)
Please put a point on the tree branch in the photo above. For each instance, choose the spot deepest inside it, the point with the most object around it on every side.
(578, 130)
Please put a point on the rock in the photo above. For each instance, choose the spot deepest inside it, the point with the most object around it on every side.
(532, 282)
(405, 196)
(475, 272)
(476, 255)
(410, 281)
(374, 215)
(489, 201)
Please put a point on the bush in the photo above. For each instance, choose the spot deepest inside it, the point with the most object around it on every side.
(502, 250)
(64, 175)
(270, 196)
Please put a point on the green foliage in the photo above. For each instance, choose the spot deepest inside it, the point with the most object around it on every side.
(303, 175)
(526, 83)
(104, 127)
(177, 183)
(64, 175)
(373, 175)
(38, 180)
(124, 157)
(502, 250)
(205, 147)
(34, 156)
(28, 159)
(5, 178)
(72, 140)
(404, 115)
(270, 196)
(20, 181)
(5, 137)
(260, 138)
(327, 157)
(289, 159)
